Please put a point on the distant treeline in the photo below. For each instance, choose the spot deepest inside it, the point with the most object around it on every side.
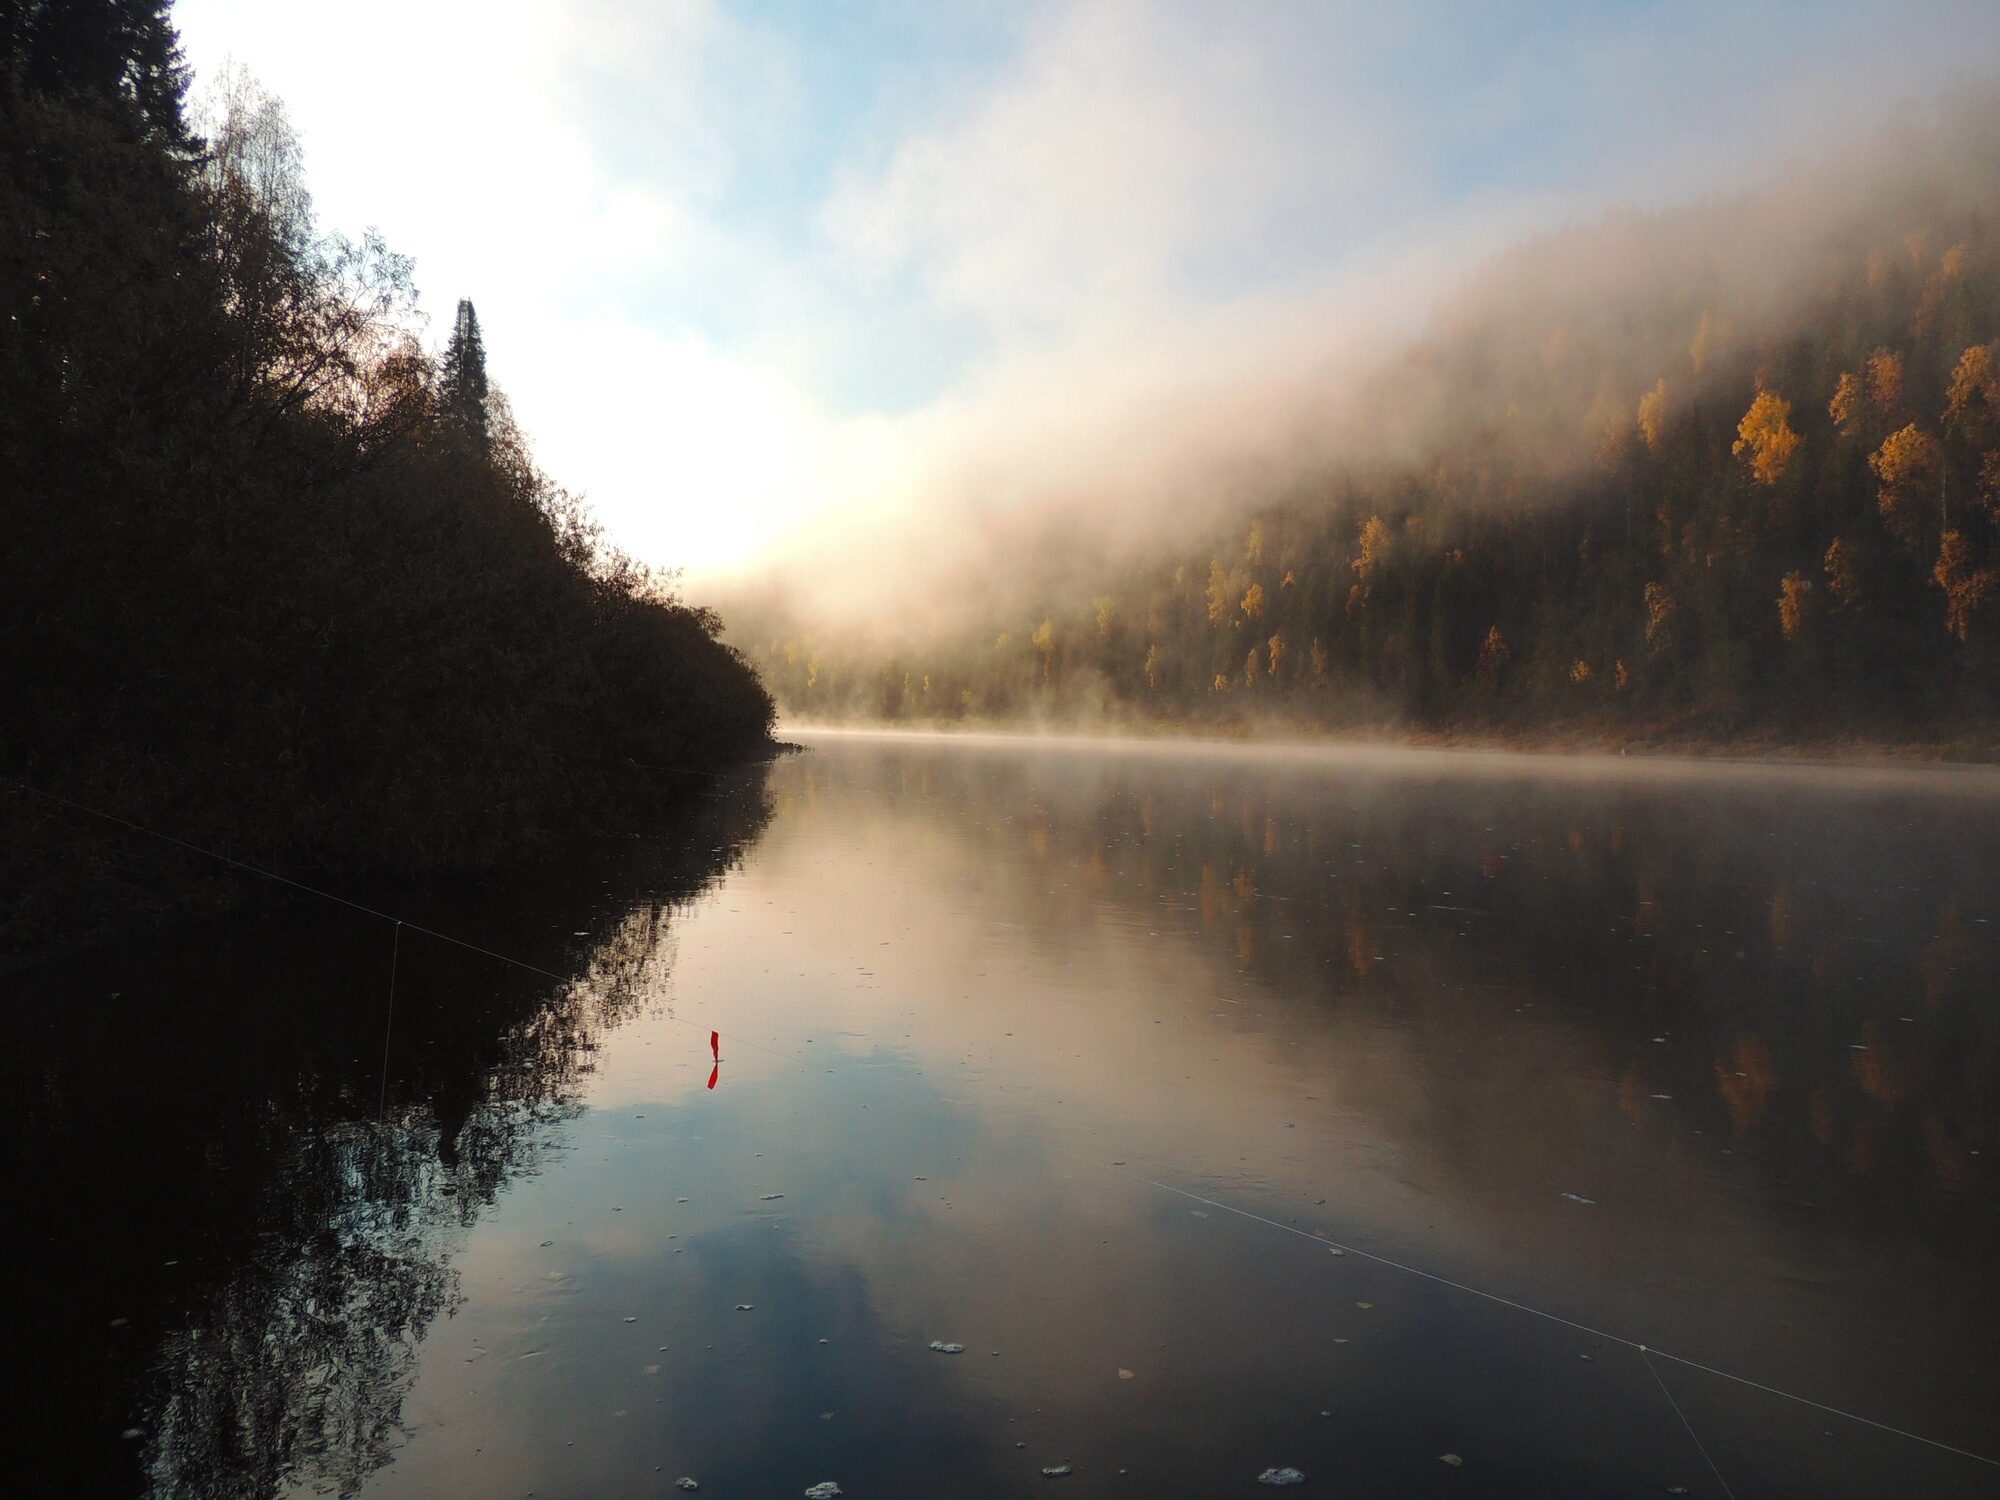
(274, 580)
(1764, 522)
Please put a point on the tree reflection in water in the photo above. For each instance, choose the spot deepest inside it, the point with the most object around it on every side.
(235, 1251)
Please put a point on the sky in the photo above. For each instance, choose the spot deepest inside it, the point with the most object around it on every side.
(754, 276)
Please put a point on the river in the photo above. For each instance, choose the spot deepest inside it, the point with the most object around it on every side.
(1218, 1109)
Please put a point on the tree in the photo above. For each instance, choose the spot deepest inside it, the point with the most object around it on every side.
(1908, 465)
(1044, 641)
(1842, 564)
(1653, 417)
(123, 52)
(1764, 438)
(1966, 588)
(1885, 381)
(1218, 593)
(1845, 407)
(1793, 592)
(462, 383)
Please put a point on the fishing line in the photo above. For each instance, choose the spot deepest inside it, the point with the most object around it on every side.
(1634, 1344)
(1645, 1351)
(1647, 1355)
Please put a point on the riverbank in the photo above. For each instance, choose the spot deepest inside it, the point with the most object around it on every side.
(1669, 741)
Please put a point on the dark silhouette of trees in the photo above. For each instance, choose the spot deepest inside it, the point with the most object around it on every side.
(257, 589)
(123, 53)
(462, 378)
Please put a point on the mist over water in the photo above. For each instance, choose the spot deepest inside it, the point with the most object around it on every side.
(1013, 1035)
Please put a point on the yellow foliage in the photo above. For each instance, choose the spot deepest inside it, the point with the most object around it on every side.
(1153, 667)
(1653, 416)
(1003, 640)
(1253, 602)
(1966, 589)
(1764, 438)
(1107, 611)
(1276, 646)
(1580, 672)
(1044, 641)
(1885, 380)
(1373, 545)
(1291, 580)
(1493, 652)
(1253, 544)
(1659, 616)
(1975, 389)
(1793, 590)
(1621, 675)
(1218, 594)
(1908, 465)
(1251, 663)
(1845, 407)
(1321, 660)
(1222, 682)
(1951, 265)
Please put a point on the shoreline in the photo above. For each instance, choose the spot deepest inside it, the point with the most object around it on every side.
(1575, 749)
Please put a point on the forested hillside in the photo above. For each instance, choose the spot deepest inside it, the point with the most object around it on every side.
(274, 580)
(1729, 470)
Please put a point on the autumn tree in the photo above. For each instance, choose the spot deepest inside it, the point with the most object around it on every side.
(1044, 640)
(1966, 588)
(1972, 401)
(1218, 594)
(1885, 381)
(1908, 464)
(1653, 417)
(1660, 611)
(1794, 590)
(1764, 438)
(1846, 406)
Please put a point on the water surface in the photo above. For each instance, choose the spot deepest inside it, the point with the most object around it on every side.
(1085, 1058)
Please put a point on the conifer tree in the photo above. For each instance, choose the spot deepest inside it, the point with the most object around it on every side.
(464, 377)
(123, 51)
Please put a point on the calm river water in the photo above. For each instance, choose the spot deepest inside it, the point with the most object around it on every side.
(1085, 1058)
